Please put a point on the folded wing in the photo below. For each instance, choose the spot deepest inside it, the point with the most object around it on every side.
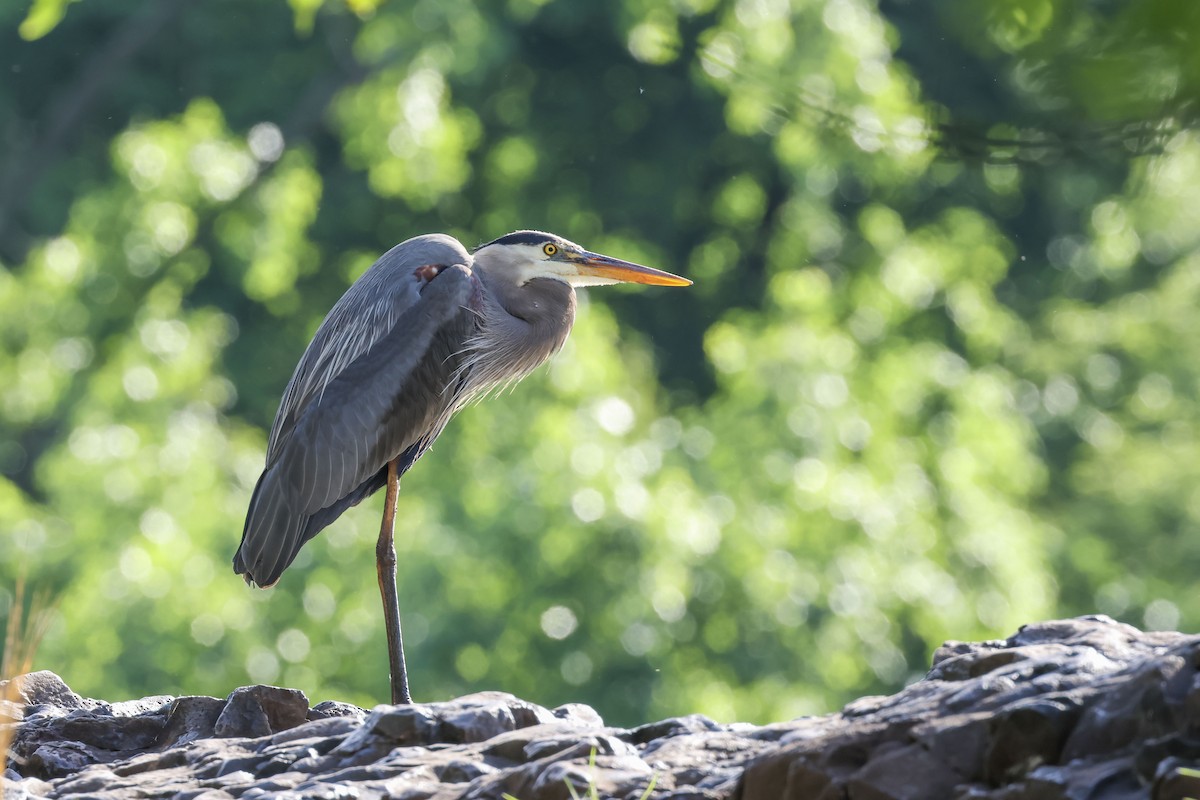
(338, 424)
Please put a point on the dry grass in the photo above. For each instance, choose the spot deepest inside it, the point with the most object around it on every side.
(22, 635)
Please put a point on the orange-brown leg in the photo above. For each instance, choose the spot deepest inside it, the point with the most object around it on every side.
(385, 567)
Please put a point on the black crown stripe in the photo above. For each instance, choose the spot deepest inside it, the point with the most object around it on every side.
(523, 237)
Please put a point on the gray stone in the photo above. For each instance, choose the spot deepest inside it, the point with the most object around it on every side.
(479, 717)
(610, 777)
(903, 772)
(514, 745)
(141, 707)
(462, 771)
(1062, 709)
(600, 745)
(235, 777)
(1026, 735)
(50, 761)
(579, 714)
(675, 726)
(413, 724)
(190, 718)
(26, 789)
(333, 708)
(1176, 781)
(260, 711)
(322, 728)
(38, 688)
(93, 779)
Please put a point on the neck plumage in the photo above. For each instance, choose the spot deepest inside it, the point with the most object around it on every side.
(518, 329)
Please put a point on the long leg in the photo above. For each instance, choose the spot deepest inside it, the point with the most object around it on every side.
(385, 567)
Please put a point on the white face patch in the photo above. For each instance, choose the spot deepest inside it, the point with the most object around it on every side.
(563, 271)
(525, 256)
(580, 281)
(529, 261)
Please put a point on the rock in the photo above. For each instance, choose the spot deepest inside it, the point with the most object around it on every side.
(25, 789)
(190, 718)
(668, 728)
(333, 708)
(1083, 708)
(415, 724)
(38, 688)
(479, 717)
(260, 711)
(1027, 735)
(1059, 710)
(50, 761)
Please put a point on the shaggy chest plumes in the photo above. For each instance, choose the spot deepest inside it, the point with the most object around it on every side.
(515, 333)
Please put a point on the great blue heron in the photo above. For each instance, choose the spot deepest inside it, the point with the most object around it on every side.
(427, 328)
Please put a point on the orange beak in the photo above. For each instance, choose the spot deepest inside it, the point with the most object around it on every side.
(614, 269)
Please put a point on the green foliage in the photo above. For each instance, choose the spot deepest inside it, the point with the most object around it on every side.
(936, 378)
(42, 17)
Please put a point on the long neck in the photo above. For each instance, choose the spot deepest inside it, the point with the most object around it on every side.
(519, 328)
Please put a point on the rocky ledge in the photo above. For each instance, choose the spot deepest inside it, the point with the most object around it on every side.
(1084, 708)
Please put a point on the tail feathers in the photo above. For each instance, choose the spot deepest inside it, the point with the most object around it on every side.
(271, 538)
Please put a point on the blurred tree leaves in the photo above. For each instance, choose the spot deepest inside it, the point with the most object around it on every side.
(42, 17)
(937, 376)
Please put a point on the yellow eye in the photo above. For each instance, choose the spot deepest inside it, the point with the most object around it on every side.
(549, 249)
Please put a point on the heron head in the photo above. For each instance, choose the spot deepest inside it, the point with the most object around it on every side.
(526, 255)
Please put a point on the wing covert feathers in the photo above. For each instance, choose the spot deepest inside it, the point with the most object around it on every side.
(338, 424)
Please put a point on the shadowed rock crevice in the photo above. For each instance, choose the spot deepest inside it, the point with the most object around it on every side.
(1085, 708)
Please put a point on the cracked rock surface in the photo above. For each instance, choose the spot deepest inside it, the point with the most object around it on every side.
(1083, 708)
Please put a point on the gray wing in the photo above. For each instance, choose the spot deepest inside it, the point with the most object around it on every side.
(336, 425)
(367, 311)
